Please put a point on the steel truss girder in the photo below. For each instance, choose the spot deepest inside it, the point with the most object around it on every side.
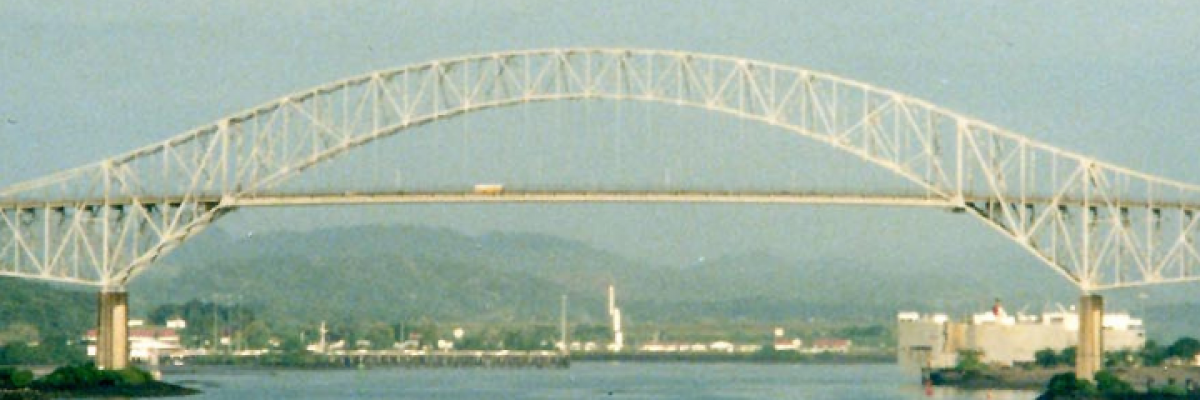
(1097, 224)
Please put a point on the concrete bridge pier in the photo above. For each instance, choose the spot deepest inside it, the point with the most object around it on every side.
(1089, 354)
(112, 330)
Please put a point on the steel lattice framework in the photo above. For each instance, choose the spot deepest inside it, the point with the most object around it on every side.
(1097, 224)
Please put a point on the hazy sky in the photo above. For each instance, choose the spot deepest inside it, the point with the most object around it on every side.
(1117, 80)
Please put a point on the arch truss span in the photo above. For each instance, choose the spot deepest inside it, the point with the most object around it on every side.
(1097, 224)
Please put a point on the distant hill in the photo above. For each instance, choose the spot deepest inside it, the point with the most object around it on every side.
(333, 275)
(404, 273)
(54, 310)
(401, 272)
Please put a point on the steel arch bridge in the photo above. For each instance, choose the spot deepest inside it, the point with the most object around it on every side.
(1098, 225)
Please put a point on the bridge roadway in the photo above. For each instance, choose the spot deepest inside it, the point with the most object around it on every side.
(588, 196)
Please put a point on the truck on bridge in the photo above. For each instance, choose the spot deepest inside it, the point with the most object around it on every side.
(489, 188)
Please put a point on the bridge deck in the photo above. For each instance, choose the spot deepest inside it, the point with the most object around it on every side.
(571, 196)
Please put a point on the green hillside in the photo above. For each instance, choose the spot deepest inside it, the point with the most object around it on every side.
(352, 274)
(390, 274)
(395, 273)
(40, 311)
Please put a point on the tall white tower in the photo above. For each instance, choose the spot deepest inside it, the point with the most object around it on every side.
(323, 346)
(618, 337)
(612, 299)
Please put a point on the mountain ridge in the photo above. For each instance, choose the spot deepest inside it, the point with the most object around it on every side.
(506, 274)
(394, 273)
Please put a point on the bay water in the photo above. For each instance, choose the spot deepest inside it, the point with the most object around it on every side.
(584, 380)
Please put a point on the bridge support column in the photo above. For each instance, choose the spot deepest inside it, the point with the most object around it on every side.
(112, 332)
(1089, 354)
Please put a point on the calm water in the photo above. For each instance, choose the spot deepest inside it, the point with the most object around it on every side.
(584, 380)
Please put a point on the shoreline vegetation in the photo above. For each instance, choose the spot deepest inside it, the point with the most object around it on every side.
(1179, 382)
(1152, 372)
(781, 357)
(1018, 378)
(84, 380)
(469, 358)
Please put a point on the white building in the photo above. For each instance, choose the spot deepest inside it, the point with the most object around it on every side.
(722, 346)
(719, 346)
(747, 348)
(784, 344)
(144, 343)
(177, 323)
(585, 346)
(831, 346)
(933, 340)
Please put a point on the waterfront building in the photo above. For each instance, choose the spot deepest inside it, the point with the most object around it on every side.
(782, 343)
(747, 348)
(830, 346)
(324, 347)
(664, 347)
(785, 344)
(585, 346)
(933, 340)
(722, 346)
(145, 342)
(177, 323)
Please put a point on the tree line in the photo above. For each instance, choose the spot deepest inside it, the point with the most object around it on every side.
(1182, 351)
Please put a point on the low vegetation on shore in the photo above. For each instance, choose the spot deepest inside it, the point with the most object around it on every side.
(1108, 386)
(1153, 372)
(766, 355)
(84, 380)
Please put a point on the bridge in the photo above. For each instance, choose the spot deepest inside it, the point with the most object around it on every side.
(1099, 225)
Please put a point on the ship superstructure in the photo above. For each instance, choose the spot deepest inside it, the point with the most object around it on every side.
(934, 340)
